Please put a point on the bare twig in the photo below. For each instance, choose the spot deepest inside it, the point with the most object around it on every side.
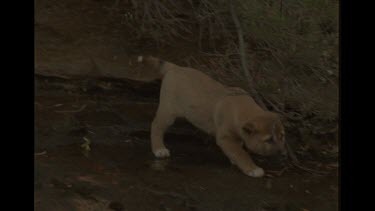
(296, 163)
(313, 171)
(241, 42)
(277, 173)
(73, 111)
(281, 7)
(291, 154)
(287, 115)
(242, 47)
(40, 153)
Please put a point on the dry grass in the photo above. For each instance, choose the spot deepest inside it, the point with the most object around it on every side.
(291, 49)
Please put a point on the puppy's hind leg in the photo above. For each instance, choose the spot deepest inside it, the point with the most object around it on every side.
(160, 124)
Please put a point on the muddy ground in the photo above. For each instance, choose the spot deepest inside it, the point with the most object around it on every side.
(92, 147)
(119, 171)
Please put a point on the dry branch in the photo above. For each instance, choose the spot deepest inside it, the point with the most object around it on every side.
(242, 51)
(73, 111)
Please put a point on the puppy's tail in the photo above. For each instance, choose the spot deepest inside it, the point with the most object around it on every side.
(154, 67)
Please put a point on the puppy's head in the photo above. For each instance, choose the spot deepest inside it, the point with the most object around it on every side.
(264, 134)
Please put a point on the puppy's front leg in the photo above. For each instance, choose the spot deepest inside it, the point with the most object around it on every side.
(238, 156)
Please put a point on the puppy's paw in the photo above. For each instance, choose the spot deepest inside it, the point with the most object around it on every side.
(257, 172)
(162, 153)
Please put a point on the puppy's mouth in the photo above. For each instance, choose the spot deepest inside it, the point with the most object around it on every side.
(257, 150)
(262, 151)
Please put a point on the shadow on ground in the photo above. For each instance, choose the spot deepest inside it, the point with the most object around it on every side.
(119, 171)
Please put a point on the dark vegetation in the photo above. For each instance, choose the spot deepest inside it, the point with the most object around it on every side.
(291, 50)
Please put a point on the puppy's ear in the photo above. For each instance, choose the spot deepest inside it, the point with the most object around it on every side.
(249, 128)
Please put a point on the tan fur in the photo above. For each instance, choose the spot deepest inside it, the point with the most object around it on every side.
(228, 113)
